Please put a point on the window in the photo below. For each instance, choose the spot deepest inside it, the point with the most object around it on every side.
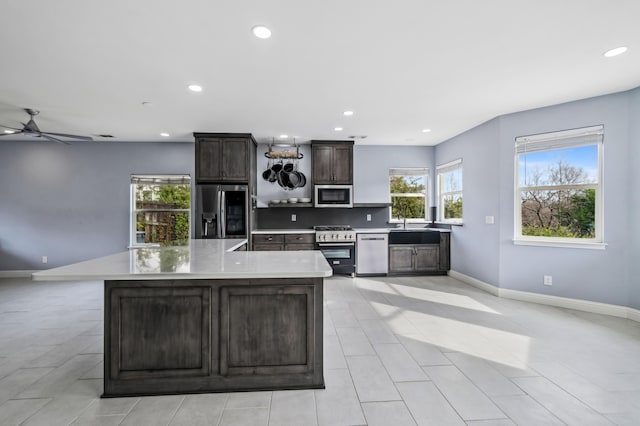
(450, 192)
(558, 187)
(408, 193)
(160, 209)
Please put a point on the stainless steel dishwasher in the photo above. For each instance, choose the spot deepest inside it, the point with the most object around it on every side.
(372, 254)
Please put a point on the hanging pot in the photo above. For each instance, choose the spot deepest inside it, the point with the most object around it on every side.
(283, 179)
(266, 175)
(277, 167)
(294, 179)
(303, 180)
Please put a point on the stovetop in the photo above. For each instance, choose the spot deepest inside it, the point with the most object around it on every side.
(333, 228)
(335, 233)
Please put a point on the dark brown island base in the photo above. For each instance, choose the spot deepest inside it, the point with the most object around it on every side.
(180, 336)
(203, 319)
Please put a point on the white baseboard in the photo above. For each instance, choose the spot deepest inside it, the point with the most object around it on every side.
(16, 274)
(475, 282)
(544, 299)
(634, 314)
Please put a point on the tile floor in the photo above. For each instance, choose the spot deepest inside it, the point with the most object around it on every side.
(398, 351)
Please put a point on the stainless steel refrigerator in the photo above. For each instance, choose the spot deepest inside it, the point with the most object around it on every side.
(222, 211)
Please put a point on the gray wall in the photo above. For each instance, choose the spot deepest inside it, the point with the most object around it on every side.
(371, 166)
(634, 204)
(71, 203)
(475, 248)
(596, 275)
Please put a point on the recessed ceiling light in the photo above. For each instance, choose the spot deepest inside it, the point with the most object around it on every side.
(165, 134)
(348, 113)
(615, 52)
(337, 129)
(195, 88)
(9, 131)
(283, 136)
(261, 31)
(426, 130)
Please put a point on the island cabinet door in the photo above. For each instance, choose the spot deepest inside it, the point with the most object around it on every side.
(158, 332)
(267, 330)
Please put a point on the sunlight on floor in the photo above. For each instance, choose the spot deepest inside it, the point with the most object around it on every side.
(417, 293)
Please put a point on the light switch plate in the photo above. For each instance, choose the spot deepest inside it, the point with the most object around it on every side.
(489, 220)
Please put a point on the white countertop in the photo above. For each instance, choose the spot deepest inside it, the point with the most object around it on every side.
(283, 231)
(371, 230)
(201, 259)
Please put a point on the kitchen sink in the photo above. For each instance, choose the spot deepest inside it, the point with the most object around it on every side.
(414, 236)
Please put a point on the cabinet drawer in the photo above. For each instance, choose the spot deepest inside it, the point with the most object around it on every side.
(299, 238)
(268, 238)
(296, 246)
(268, 247)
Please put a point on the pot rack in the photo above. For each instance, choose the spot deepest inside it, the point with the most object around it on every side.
(286, 154)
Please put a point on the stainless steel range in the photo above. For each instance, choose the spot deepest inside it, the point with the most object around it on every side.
(338, 245)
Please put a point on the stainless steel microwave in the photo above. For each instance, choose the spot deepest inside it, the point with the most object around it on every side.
(333, 196)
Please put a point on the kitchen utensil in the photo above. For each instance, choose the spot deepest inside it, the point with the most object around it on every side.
(266, 175)
(294, 179)
(303, 181)
(283, 179)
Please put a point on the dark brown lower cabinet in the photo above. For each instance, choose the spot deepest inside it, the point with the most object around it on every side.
(185, 336)
(279, 242)
(421, 259)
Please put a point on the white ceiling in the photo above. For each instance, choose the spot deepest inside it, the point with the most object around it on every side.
(401, 66)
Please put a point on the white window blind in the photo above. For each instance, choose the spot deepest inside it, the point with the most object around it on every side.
(558, 140)
(408, 172)
(160, 179)
(447, 167)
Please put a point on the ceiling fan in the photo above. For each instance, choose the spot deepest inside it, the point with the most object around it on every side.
(32, 129)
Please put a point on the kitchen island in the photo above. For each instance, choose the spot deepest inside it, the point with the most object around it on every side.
(204, 318)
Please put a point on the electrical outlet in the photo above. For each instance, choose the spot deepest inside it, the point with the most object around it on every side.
(547, 280)
(368, 218)
(44, 259)
(489, 220)
(293, 218)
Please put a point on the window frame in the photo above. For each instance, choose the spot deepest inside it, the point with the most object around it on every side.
(158, 179)
(409, 171)
(555, 142)
(440, 170)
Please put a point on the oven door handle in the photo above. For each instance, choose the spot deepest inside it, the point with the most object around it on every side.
(335, 244)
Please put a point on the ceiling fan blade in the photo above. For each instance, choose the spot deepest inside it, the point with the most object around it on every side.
(11, 134)
(66, 135)
(9, 127)
(51, 138)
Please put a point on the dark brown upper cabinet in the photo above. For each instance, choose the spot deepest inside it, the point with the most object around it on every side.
(224, 157)
(332, 162)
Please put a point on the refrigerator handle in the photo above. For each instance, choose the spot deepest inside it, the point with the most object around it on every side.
(223, 215)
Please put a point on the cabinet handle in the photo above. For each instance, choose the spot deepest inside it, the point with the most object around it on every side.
(269, 238)
(299, 238)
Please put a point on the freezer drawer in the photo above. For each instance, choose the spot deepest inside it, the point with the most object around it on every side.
(372, 255)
